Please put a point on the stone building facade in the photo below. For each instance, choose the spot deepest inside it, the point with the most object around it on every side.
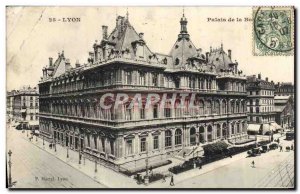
(70, 98)
(284, 89)
(24, 106)
(284, 108)
(261, 109)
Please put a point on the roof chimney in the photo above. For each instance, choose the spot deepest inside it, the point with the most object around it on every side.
(77, 64)
(104, 32)
(229, 53)
(206, 57)
(267, 79)
(259, 76)
(50, 61)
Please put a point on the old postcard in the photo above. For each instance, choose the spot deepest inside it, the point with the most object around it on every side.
(150, 97)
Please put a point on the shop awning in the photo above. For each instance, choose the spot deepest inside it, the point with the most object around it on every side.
(253, 127)
(33, 123)
(276, 126)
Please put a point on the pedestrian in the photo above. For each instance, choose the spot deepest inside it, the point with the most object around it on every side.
(200, 164)
(172, 181)
(280, 148)
(292, 147)
(253, 164)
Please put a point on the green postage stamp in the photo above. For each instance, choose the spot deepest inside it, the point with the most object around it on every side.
(273, 31)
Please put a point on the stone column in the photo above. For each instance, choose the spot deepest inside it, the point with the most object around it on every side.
(136, 144)
(197, 135)
(173, 138)
(150, 142)
(162, 143)
(205, 134)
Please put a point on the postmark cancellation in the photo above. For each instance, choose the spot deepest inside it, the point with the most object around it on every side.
(273, 31)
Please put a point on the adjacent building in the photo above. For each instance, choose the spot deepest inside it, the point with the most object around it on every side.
(70, 99)
(23, 107)
(284, 89)
(261, 109)
(284, 108)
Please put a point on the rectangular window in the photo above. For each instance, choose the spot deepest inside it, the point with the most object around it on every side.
(129, 148)
(167, 110)
(142, 79)
(143, 144)
(88, 141)
(95, 141)
(128, 77)
(142, 112)
(112, 147)
(155, 111)
(103, 144)
(155, 142)
(155, 79)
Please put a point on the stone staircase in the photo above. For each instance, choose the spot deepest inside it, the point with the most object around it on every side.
(190, 152)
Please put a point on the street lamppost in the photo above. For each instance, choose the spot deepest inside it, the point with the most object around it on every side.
(9, 170)
(54, 145)
(68, 152)
(95, 165)
(79, 161)
(27, 133)
(43, 141)
(146, 179)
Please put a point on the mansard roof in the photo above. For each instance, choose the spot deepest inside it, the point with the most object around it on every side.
(220, 58)
(124, 37)
(183, 48)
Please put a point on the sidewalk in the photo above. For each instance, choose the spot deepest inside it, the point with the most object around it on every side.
(196, 172)
(103, 175)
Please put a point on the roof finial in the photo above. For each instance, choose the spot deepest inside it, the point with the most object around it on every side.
(127, 14)
(183, 11)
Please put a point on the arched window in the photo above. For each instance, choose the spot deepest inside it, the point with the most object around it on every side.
(232, 106)
(196, 108)
(178, 137)
(201, 107)
(218, 130)
(192, 136)
(238, 128)
(224, 130)
(201, 133)
(201, 84)
(217, 107)
(208, 107)
(237, 106)
(232, 128)
(209, 133)
(168, 138)
(224, 107)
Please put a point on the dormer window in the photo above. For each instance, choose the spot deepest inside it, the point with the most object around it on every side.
(176, 46)
(140, 51)
(176, 61)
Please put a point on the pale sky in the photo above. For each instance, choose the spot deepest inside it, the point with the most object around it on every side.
(32, 39)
